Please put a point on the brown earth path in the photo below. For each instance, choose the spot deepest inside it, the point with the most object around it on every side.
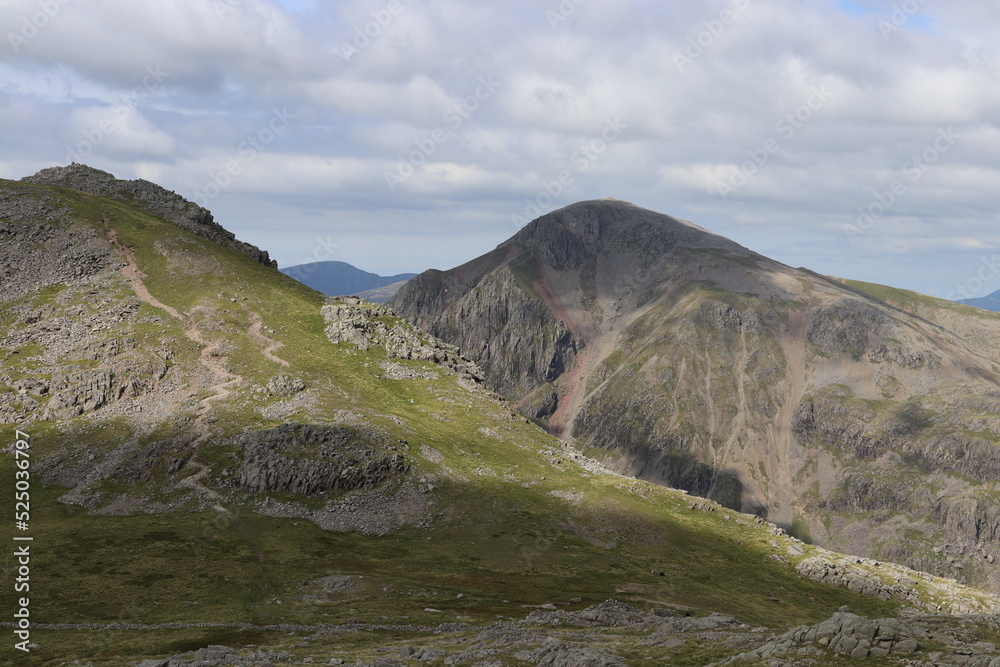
(209, 356)
(267, 346)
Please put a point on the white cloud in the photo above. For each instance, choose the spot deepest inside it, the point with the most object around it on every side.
(227, 72)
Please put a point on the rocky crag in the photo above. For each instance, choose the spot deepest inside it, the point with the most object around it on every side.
(678, 356)
(367, 325)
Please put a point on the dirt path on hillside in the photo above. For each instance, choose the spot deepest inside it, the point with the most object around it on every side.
(267, 346)
(210, 356)
(133, 274)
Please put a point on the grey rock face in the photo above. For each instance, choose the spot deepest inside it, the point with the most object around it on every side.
(888, 581)
(509, 331)
(860, 330)
(609, 613)
(421, 654)
(827, 571)
(314, 460)
(157, 200)
(214, 656)
(82, 392)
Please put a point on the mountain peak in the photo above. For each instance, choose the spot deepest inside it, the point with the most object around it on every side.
(568, 235)
(159, 201)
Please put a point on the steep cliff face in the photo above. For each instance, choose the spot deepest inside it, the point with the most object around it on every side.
(683, 358)
(508, 329)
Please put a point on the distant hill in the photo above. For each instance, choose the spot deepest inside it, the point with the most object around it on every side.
(381, 294)
(988, 302)
(337, 278)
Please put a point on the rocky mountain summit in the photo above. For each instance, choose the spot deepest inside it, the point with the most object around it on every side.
(157, 200)
(678, 356)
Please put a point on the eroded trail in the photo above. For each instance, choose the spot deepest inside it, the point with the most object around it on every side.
(268, 346)
(133, 274)
(211, 357)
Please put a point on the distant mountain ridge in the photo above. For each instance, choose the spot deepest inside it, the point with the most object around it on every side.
(339, 278)
(988, 302)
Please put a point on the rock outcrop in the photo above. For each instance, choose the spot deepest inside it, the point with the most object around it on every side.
(888, 581)
(315, 460)
(41, 245)
(845, 634)
(506, 329)
(367, 325)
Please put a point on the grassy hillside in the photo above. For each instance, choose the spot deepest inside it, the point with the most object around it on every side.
(136, 520)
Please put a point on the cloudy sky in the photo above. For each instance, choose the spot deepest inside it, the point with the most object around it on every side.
(855, 137)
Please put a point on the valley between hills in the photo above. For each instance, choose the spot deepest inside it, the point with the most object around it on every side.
(616, 439)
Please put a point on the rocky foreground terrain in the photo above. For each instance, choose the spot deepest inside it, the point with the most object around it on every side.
(589, 638)
(676, 355)
(230, 468)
